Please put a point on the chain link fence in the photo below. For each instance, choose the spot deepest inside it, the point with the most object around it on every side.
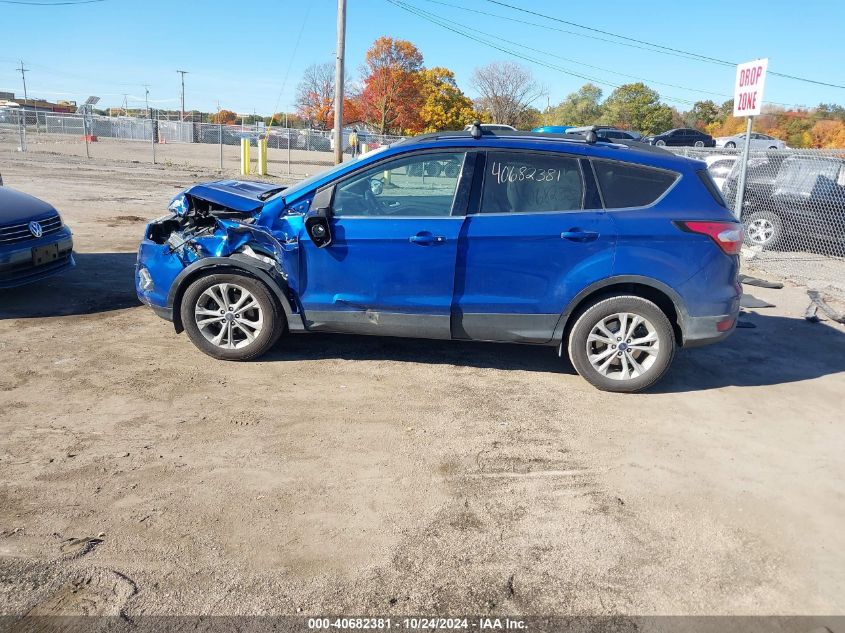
(208, 145)
(793, 211)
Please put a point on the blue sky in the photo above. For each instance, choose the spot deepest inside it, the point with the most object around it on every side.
(239, 52)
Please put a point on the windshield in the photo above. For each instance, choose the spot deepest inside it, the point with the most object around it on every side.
(294, 190)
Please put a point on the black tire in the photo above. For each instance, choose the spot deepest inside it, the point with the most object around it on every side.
(594, 314)
(763, 229)
(730, 145)
(273, 318)
(434, 168)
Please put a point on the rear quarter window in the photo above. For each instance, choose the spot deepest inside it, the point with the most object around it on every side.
(625, 185)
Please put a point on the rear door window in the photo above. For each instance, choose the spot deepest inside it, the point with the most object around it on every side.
(523, 182)
(625, 185)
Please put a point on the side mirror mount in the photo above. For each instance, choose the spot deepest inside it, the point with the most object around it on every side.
(317, 219)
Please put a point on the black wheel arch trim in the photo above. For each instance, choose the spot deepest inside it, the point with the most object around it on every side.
(674, 297)
(260, 270)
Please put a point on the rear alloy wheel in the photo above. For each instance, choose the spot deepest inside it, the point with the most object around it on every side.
(623, 343)
(699, 144)
(231, 317)
(763, 229)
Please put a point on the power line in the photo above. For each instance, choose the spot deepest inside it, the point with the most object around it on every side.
(516, 54)
(667, 49)
(49, 4)
(575, 61)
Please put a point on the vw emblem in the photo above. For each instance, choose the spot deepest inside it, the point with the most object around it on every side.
(35, 229)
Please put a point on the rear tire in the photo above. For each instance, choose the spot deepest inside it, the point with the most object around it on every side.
(730, 145)
(231, 316)
(623, 343)
(660, 143)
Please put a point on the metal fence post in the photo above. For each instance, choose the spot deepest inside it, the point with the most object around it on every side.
(290, 140)
(220, 139)
(85, 135)
(740, 193)
(153, 138)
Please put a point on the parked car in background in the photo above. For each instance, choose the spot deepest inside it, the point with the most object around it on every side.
(681, 137)
(791, 202)
(758, 141)
(613, 255)
(34, 242)
(607, 133)
(720, 167)
(552, 129)
(493, 127)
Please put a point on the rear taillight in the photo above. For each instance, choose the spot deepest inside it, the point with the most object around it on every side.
(728, 235)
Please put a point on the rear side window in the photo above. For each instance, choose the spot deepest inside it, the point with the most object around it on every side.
(516, 182)
(624, 185)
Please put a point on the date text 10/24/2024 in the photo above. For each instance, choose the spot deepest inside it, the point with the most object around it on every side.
(418, 624)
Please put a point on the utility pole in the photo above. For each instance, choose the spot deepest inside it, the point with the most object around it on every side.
(149, 116)
(183, 73)
(338, 82)
(23, 109)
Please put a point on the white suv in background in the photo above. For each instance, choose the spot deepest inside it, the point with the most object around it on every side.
(758, 141)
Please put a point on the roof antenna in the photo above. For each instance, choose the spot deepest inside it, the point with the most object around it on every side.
(475, 129)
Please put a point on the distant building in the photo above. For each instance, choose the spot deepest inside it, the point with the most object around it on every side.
(39, 104)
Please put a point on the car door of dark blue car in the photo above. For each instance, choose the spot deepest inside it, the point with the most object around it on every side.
(537, 236)
(390, 268)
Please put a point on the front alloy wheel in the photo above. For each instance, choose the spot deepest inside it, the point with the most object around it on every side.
(623, 343)
(231, 317)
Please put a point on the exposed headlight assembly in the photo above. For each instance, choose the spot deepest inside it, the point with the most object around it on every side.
(180, 205)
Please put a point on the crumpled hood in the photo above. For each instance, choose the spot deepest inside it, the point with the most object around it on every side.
(245, 196)
(17, 206)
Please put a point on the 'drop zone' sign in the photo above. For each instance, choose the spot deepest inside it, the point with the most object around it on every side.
(748, 89)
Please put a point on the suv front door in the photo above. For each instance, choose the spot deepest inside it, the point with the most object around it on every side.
(536, 237)
(391, 265)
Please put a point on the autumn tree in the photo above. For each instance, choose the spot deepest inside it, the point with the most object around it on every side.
(391, 98)
(226, 117)
(637, 107)
(315, 96)
(582, 107)
(444, 105)
(506, 90)
(828, 134)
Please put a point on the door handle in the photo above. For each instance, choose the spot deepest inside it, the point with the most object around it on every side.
(579, 235)
(426, 239)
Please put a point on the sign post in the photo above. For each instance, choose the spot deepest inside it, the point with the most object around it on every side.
(748, 102)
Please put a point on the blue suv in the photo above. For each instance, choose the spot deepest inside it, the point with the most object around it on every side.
(614, 254)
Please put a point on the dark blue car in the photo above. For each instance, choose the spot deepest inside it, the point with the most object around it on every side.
(34, 242)
(614, 255)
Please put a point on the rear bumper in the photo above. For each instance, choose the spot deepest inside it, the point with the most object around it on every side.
(699, 331)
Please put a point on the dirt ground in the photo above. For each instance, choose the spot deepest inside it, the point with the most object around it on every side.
(373, 475)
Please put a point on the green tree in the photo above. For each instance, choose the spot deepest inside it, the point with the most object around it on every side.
(579, 108)
(702, 114)
(637, 107)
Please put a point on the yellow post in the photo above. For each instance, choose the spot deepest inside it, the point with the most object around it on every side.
(262, 157)
(244, 157)
(364, 148)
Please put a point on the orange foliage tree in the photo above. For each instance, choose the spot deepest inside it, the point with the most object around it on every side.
(226, 117)
(390, 99)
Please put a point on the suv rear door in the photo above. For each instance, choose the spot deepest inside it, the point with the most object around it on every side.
(536, 236)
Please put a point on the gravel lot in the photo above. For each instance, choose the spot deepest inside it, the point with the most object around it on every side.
(374, 475)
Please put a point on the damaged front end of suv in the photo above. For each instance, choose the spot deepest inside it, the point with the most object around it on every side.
(219, 228)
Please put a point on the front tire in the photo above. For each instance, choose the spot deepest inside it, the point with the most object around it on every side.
(623, 343)
(730, 145)
(231, 316)
(660, 143)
